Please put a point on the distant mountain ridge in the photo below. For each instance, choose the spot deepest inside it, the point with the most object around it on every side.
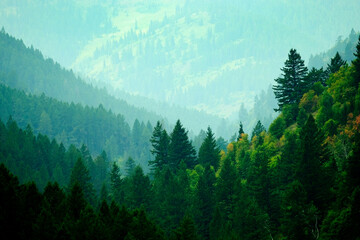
(26, 68)
(346, 48)
(209, 55)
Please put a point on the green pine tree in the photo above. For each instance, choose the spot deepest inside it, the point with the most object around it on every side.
(335, 64)
(116, 184)
(209, 154)
(289, 88)
(160, 142)
(80, 174)
(180, 148)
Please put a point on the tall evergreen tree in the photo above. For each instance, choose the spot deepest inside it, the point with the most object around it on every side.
(160, 142)
(315, 75)
(289, 86)
(186, 230)
(205, 202)
(140, 189)
(80, 174)
(180, 148)
(310, 170)
(225, 188)
(129, 166)
(209, 152)
(116, 184)
(259, 128)
(241, 130)
(335, 64)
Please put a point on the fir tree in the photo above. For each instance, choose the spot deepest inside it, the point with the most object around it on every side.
(80, 174)
(209, 154)
(180, 148)
(187, 230)
(140, 189)
(335, 64)
(129, 166)
(116, 184)
(289, 89)
(310, 170)
(205, 201)
(241, 130)
(259, 128)
(160, 143)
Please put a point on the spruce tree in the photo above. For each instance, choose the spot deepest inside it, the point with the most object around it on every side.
(204, 194)
(116, 184)
(140, 188)
(209, 152)
(130, 166)
(289, 89)
(310, 169)
(80, 174)
(241, 130)
(314, 76)
(186, 230)
(335, 64)
(259, 128)
(160, 143)
(225, 186)
(180, 148)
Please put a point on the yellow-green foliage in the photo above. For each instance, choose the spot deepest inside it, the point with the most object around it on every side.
(309, 101)
(341, 85)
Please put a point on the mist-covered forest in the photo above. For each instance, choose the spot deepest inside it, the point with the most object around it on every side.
(180, 120)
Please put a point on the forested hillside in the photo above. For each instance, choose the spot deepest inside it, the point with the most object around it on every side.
(297, 180)
(345, 47)
(175, 51)
(97, 128)
(26, 68)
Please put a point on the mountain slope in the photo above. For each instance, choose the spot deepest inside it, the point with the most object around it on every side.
(27, 69)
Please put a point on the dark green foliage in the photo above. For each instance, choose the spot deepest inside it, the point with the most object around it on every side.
(27, 214)
(225, 188)
(71, 124)
(290, 157)
(259, 128)
(335, 64)
(290, 113)
(241, 130)
(76, 201)
(297, 215)
(301, 117)
(290, 183)
(129, 166)
(38, 158)
(315, 76)
(209, 154)
(80, 174)
(290, 85)
(140, 189)
(180, 148)
(204, 201)
(116, 184)
(311, 172)
(277, 127)
(10, 204)
(160, 142)
(186, 230)
(171, 196)
(356, 64)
